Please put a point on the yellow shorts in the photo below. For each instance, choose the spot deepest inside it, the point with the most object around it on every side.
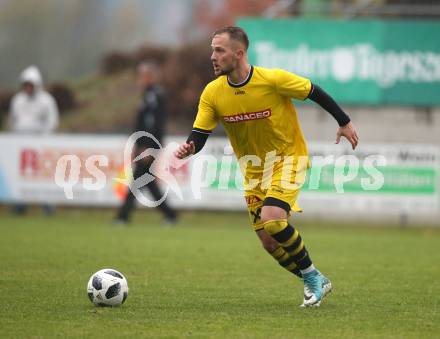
(280, 186)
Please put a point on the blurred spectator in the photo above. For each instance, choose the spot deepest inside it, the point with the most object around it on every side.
(151, 118)
(32, 111)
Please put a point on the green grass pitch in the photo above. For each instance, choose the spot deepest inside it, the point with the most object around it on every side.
(208, 277)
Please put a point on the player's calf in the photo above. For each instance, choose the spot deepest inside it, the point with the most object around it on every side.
(278, 253)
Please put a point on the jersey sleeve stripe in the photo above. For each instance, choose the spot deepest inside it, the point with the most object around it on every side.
(203, 131)
(312, 88)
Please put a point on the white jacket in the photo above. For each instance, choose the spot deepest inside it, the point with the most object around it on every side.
(33, 114)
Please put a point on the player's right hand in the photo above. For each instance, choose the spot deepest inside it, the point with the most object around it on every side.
(185, 150)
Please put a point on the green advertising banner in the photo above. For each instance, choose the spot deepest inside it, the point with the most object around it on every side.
(396, 180)
(358, 62)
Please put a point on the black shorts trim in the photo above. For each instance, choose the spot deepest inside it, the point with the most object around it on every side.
(271, 201)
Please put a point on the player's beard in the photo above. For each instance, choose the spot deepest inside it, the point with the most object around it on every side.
(225, 70)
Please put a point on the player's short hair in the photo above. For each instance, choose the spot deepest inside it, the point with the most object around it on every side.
(235, 33)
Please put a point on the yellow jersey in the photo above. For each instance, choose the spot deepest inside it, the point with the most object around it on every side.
(258, 114)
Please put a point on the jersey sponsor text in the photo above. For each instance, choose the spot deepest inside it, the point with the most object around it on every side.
(248, 116)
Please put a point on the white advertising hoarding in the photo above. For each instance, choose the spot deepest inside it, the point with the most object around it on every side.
(384, 179)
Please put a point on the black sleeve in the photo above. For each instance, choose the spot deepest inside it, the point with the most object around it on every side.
(318, 95)
(199, 137)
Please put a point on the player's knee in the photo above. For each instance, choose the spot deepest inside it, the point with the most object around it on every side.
(269, 213)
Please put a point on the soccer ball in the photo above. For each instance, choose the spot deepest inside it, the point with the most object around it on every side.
(107, 287)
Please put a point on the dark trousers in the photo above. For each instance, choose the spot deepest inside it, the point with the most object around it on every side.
(21, 209)
(128, 206)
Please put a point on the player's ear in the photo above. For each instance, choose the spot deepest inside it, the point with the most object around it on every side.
(239, 53)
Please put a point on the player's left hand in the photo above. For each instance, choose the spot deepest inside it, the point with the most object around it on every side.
(348, 131)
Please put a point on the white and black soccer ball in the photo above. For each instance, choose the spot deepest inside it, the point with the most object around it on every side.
(107, 287)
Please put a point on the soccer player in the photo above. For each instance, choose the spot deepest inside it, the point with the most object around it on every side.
(255, 107)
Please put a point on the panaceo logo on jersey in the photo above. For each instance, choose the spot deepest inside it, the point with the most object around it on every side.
(248, 116)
